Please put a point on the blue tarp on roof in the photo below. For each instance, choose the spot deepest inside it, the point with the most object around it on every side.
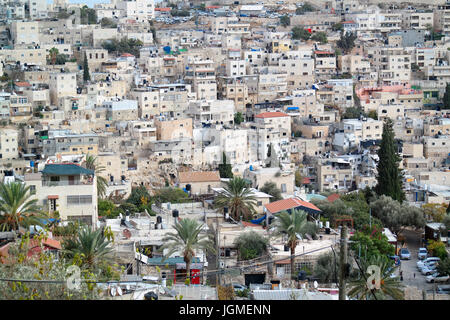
(258, 221)
(292, 108)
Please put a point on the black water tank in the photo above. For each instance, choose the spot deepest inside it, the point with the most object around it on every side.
(188, 187)
(163, 275)
(175, 213)
(227, 252)
(286, 248)
(150, 296)
(327, 231)
(158, 219)
(225, 209)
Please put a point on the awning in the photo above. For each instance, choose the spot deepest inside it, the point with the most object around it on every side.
(53, 197)
(292, 108)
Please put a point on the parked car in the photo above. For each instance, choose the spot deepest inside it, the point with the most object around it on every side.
(422, 254)
(435, 277)
(445, 289)
(420, 264)
(405, 254)
(429, 268)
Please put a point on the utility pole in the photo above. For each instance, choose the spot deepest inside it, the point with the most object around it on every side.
(343, 263)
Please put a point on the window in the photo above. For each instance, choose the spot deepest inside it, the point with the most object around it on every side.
(32, 189)
(79, 200)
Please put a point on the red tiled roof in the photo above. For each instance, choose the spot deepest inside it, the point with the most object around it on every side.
(348, 22)
(323, 52)
(286, 204)
(333, 197)
(277, 114)
(52, 243)
(163, 9)
(127, 55)
(249, 224)
(285, 261)
(212, 7)
(22, 84)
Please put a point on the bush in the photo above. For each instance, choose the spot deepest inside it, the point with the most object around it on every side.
(251, 245)
(172, 195)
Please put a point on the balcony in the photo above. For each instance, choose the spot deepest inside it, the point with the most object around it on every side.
(46, 183)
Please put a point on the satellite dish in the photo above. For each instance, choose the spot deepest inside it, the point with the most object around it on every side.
(120, 216)
(119, 291)
(316, 285)
(113, 291)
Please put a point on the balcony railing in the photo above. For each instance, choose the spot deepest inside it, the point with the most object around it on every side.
(66, 183)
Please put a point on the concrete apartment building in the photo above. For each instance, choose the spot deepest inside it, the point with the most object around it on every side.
(25, 33)
(436, 149)
(173, 129)
(9, 144)
(211, 111)
(121, 110)
(66, 142)
(67, 188)
(284, 179)
(394, 65)
(435, 126)
(62, 84)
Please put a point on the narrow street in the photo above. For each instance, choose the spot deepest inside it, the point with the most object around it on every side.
(409, 267)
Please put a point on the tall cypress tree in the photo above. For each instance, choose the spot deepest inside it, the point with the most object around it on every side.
(86, 75)
(389, 176)
(446, 99)
(225, 170)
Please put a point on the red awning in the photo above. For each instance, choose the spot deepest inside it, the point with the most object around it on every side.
(53, 197)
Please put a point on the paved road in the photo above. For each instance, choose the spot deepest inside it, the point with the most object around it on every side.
(409, 267)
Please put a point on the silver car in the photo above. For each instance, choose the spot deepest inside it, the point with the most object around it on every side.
(422, 253)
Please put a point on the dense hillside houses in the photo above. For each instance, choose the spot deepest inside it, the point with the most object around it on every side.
(166, 144)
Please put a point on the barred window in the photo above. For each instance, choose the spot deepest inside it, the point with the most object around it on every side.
(79, 200)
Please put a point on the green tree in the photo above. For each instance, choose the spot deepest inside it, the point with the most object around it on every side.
(373, 114)
(238, 198)
(90, 247)
(446, 99)
(298, 33)
(225, 169)
(16, 207)
(53, 54)
(437, 249)
(251, 245)
(347, 41)
(125, 45)
(285, 21)
(91, 163)
(326, 268)
(397, 216)
(271, 188)
(290, 226)
(371, 242)
(172, 195)
(389, 287)
(107, 208)
(337, 26)
(88, 15)
(186, 239)
(86, 74)
(298, 178)
(108, 23)
(137, 195)
(306, 7)
(443, 267)
(320, 37)
(238, 118)
(389, 176)
(41, 266)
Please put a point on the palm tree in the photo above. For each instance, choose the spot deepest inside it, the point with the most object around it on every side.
(16, 208)
(389, 287)
(90, 246)
(92, 164)
(238, 198)
(290, 225)
(53, 53)
(186, 240)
